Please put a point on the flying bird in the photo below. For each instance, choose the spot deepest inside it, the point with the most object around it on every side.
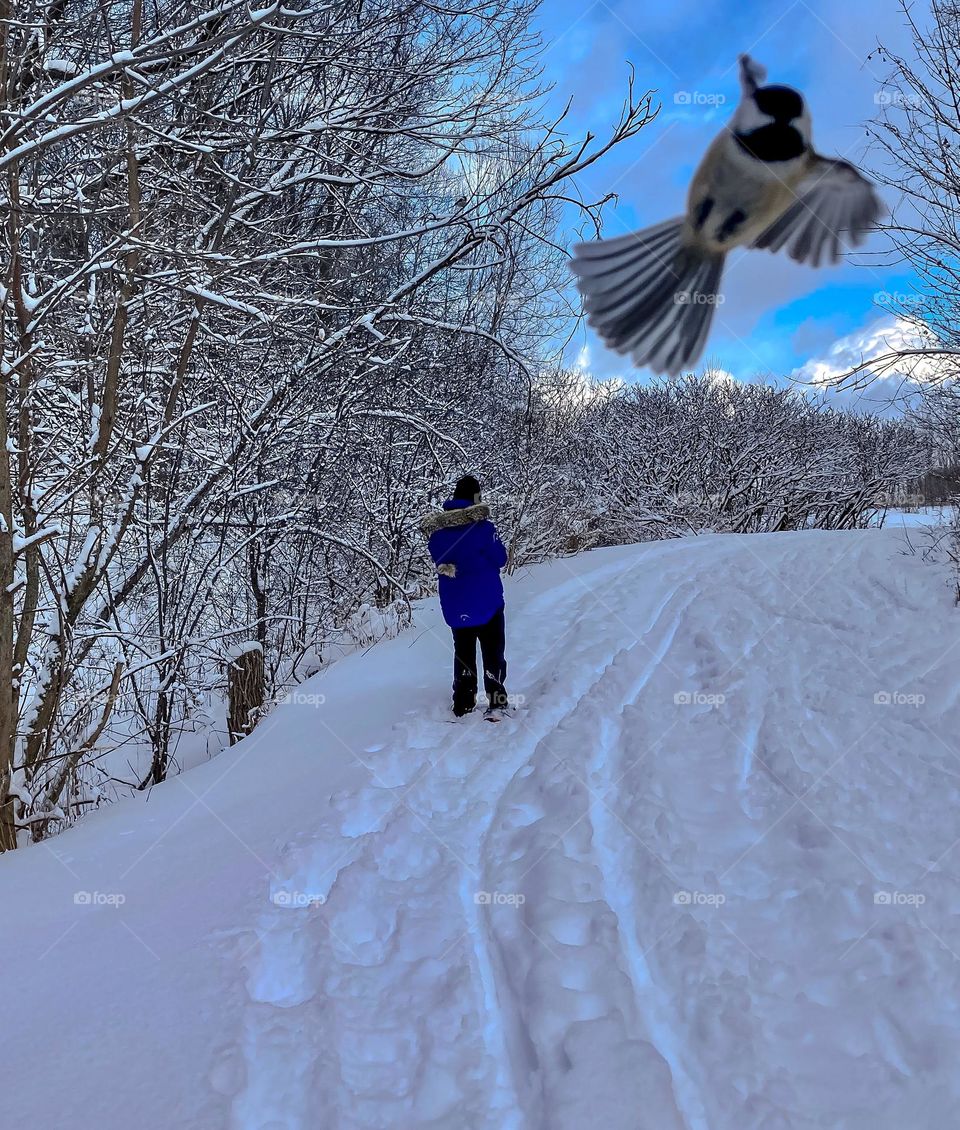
(761, 183)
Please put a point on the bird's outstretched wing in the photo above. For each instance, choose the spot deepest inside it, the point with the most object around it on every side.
(835, 204)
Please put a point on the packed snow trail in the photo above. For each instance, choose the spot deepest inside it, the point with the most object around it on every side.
(703, 879)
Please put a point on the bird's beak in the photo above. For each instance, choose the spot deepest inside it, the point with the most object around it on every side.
(752, 75)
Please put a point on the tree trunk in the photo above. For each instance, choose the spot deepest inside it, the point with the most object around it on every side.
(245, 691)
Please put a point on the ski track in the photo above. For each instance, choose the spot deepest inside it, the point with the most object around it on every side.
(403, 997)
(568, 914)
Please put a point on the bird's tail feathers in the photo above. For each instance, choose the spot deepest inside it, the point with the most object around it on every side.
(650, 295)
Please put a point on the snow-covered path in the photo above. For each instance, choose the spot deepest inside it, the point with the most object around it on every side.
(705, 877)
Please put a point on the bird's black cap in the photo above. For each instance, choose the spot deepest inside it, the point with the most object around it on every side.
(782, 103)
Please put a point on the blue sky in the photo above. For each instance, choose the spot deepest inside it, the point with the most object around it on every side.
(778, 316)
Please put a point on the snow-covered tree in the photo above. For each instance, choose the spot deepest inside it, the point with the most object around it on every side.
(258, 260)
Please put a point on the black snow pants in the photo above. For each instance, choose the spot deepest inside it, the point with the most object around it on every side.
(492, 642)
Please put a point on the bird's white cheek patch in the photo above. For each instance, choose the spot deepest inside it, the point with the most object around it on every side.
(749, 117)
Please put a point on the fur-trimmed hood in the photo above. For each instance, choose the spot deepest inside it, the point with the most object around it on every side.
(462, 516)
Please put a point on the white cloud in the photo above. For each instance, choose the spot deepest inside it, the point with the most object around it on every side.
(715, 375)
(883, 336)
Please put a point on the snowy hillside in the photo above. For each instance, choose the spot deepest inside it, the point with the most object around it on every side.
(706, 877)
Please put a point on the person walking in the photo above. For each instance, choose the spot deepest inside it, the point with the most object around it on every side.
(469, 555)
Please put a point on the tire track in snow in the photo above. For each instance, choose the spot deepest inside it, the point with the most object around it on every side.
(586, 922)
(500, 1029)
(654, 1005)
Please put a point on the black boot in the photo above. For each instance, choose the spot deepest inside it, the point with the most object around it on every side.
(463, 706)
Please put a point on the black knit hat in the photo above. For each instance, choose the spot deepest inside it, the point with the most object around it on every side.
(467, 487)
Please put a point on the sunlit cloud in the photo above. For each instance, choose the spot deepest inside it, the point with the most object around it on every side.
(882, 337)
(715, 375)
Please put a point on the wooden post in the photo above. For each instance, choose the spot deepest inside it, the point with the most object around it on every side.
(245, 689)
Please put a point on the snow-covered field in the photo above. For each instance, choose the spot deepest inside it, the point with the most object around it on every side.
(923, 516)
(706, 877)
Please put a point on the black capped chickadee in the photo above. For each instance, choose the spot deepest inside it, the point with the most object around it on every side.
(761, 184)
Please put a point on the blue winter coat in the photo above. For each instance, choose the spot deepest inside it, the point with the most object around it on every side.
(470, 542)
